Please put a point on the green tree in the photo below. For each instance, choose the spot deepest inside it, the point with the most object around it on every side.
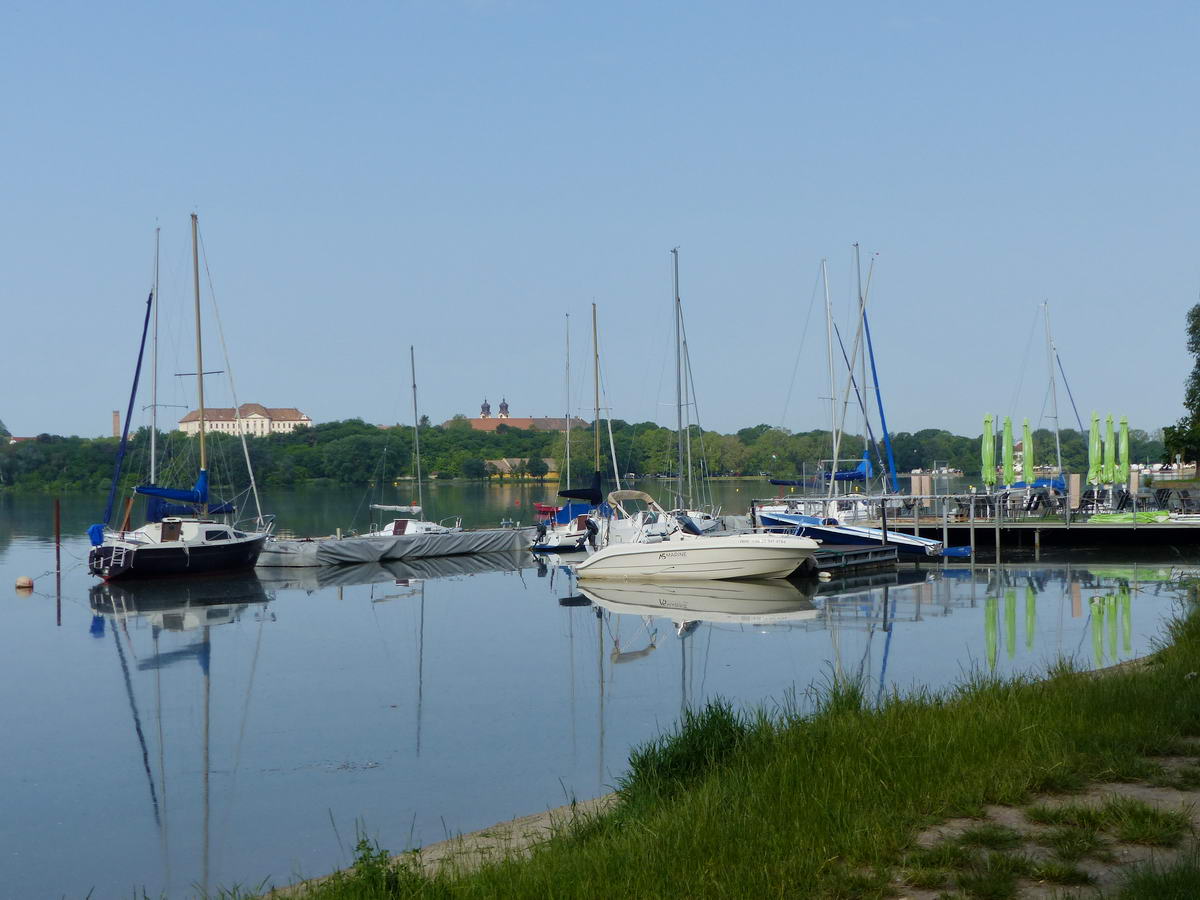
(1184, 436)
(536, 466)
(474, 467)
(4, 432)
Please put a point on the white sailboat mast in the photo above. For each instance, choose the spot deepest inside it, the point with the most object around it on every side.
(596, 380)
(832, 376)
(154, 373)
(678, 379)
(567, 466)
(412, 359)
(199, 348)
(1053, 386)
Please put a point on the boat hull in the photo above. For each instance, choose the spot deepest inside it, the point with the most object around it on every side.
(154, 561)
(708, 558)
(853, 534)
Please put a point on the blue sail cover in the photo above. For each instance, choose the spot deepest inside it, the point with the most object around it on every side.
(198, 494)
(863, 471)
(157, 506)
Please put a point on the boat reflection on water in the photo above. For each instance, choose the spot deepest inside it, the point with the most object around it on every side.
(178, 608)
(181, 604)
(315, 578)
(745, 602)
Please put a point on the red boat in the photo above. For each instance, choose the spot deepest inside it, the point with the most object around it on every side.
(545, 508)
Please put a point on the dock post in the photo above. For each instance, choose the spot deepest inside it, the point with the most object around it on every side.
(996, 520)
(916, 516)
(945, 522)
(1037, 544)
(972, 526)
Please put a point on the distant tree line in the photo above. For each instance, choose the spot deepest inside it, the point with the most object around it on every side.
(352, 452)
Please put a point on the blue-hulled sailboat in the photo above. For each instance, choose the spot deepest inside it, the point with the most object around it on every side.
(181, 536)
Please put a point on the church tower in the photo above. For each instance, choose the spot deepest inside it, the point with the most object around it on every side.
(485, 410)
(503, 408)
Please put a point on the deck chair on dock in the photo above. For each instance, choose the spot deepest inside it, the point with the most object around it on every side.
(1187, 503)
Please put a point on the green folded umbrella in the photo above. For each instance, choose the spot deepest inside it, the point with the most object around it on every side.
(1122, 472)
(1010, 474)
(987, 452)
(1094, 450)
(1026, 453)
(1108, 470)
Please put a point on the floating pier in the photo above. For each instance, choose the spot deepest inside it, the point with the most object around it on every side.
(1013, 520)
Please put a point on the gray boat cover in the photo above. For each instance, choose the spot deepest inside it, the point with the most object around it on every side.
(349, 550)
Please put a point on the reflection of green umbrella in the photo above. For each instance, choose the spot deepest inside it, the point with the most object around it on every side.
(1009, 474)
(1010, 622)
(987, 452)
(1122, 473)
(1108, 470)
(1097, 622)
(1110, 618)
(1030, 615)
(1026, 453)
(991, 629)
(1126, 620)
(1094, 450)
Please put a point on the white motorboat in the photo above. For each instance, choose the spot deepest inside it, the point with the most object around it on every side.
(565, 537)
(653, 544)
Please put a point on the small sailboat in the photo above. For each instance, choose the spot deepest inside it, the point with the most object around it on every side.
(413, 525)
(181, 536)
(565, 529)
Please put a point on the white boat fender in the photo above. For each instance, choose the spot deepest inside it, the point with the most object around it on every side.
(824, 576)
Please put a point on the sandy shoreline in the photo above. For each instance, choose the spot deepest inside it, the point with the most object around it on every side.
(473, 849)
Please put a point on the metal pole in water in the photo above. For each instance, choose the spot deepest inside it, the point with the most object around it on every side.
(996, 518)
(972, 526)
(58, 559)
(1037, 543)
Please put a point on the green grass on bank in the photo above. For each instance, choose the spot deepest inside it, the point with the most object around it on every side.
(829, 805)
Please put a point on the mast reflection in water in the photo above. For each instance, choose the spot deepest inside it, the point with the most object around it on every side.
(182, 609)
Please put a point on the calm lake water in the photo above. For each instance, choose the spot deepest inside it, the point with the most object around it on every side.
(187, 735)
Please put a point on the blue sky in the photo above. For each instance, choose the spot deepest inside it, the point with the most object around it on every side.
(460, 175)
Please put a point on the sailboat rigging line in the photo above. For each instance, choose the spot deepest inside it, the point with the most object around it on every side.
(237, 752)
(1070, 396)
(137, 726)
(705, 485)
(1012, 404)
(887, 440)
(839, 426)
(112, 490)
(799, 351)
(853, 382)
(237, 412)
